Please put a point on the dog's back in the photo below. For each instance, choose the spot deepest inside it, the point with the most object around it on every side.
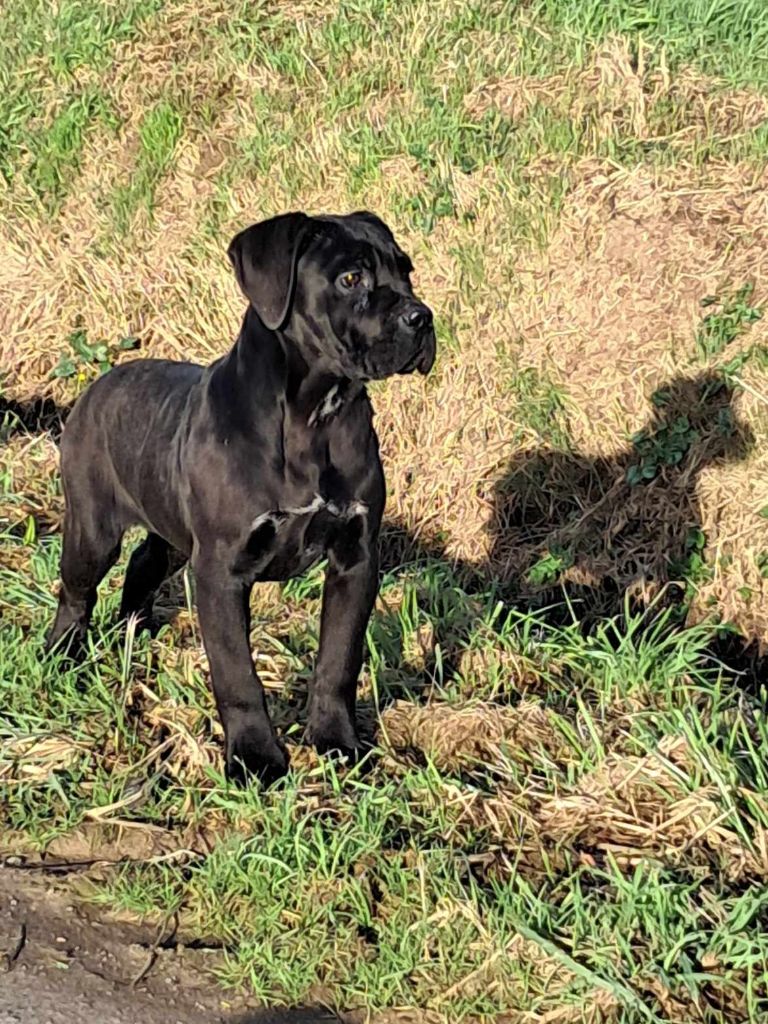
(121, 405)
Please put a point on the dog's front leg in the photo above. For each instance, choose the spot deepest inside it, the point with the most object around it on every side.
(252, 746)
(348, 600)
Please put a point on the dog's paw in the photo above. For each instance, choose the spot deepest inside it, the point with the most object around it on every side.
(334, 732)
(255, 752)
(69, 645)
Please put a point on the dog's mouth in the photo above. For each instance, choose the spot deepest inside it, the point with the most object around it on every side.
(421, 358)
(411, 365)
(424, 356)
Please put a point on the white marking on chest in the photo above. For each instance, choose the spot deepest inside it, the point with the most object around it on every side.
(329, 406)
(280, 515)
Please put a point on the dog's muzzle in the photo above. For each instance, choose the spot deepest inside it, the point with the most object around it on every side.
(417, 320)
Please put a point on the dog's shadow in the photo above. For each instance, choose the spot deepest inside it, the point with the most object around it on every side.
(579, 537)
(39, 415)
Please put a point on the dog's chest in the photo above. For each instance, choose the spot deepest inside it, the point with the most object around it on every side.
(319, 498)
(285, 541)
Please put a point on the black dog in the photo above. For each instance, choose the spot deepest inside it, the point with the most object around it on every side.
(255, 467)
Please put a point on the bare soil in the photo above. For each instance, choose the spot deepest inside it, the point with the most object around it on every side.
(62, 962)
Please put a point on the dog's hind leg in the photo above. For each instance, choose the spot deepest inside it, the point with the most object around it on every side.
(153, 561)
(90, 548)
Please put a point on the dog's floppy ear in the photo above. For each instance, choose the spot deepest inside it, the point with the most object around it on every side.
(264, 257)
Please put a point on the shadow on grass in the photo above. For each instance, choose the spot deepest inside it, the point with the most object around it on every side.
(36, 416)
(579, 538)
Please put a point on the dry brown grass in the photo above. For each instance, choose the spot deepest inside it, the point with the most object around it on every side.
(634, 809)
(618, 93)
(476, 734)
(32, 465)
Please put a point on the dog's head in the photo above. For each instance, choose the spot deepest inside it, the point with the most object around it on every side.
(340, 287)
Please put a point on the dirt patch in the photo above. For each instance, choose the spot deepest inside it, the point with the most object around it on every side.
(64, 963)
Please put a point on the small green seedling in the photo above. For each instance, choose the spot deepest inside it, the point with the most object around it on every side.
(666, 446)
(549, 567)
(692, 565)
(30, 532)
(84, 358)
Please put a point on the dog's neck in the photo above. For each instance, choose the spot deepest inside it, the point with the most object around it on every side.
(313, 391)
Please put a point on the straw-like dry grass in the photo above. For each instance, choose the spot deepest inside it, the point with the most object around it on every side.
(566, 814)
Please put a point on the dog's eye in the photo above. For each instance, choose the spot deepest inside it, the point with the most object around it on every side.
(351, 279)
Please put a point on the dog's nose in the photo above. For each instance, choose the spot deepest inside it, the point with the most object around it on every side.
(416, 318)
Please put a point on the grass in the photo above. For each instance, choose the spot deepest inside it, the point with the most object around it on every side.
(722, 326)
(722, 38)
(37, 47)
(597, 843)
(159, 133)
(564, 814)
(56, 150)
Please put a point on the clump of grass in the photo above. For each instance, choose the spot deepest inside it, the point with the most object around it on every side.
(540, 407)
(721, 38)
(724, 324)
(159, 133)
(57, 151)
(55, 43)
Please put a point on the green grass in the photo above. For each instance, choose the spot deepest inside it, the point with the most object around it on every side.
(38, 46)
(56, 151)
(159, 133)
(435, 129)
(724, 324)
(726, 38)
(540, 408)
(434, 66)
(390, 885)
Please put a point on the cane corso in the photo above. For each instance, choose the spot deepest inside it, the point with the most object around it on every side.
(255, 467)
